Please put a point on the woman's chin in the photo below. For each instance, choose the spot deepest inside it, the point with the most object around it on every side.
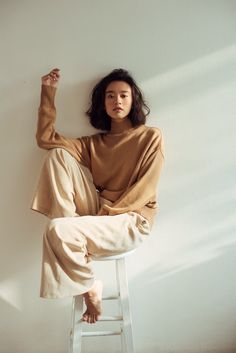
(118, 118)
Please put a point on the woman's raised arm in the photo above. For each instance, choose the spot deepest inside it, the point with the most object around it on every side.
(46, 135)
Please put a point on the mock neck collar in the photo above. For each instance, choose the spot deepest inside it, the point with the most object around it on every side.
(119, 126)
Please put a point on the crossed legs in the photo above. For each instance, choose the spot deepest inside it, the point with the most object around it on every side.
(67, 195)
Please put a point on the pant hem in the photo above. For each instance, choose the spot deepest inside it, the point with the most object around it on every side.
(73, 294)
(41, 211)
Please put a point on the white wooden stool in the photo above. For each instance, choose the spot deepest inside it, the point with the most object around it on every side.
(125, 331)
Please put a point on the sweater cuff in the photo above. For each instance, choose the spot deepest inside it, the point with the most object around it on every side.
(48, 96)
(113, 210)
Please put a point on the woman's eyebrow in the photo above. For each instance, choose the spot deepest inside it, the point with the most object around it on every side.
(114, 91)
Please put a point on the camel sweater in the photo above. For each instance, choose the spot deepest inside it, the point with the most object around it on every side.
(125, 162)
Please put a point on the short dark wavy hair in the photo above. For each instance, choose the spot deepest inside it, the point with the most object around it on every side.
(97, 113)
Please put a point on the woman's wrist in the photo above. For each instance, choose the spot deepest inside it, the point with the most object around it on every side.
(48, 95)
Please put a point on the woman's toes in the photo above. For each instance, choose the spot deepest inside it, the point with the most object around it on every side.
(85, 317)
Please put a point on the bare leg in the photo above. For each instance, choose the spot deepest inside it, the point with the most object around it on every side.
(93, 301)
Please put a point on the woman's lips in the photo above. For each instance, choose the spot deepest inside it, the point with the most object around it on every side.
(117, 109)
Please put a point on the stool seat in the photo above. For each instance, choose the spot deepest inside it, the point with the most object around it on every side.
(124, 316)
(112, 257)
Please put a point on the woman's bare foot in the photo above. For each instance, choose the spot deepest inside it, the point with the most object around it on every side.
(93, 301)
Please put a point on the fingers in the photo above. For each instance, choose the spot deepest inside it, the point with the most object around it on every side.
(52, 78)
(55, 74)
(102, 212)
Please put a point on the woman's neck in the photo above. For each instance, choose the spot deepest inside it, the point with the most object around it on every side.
(120, 125)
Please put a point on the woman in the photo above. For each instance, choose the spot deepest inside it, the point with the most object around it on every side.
(99, 191)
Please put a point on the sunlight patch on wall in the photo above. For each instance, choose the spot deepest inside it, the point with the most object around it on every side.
(191, 71)
(197, 190)
(10, 293)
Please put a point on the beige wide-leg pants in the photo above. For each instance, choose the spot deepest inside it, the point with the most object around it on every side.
(67, 195)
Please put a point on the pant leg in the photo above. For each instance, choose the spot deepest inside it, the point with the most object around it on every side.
(65, 188)
(68, 242)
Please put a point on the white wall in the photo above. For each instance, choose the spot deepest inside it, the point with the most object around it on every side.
(183, 54)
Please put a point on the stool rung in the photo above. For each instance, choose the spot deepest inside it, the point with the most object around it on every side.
(100, 333)
(108, 318)
(111, 318)
(111, 297)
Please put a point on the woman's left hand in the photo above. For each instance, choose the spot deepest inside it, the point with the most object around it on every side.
(102, 212)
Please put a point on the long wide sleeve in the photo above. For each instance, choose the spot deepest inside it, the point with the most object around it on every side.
(46, 135)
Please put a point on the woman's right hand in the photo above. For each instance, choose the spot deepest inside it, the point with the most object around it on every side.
(51, 79)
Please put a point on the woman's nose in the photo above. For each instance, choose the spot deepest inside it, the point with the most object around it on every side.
(117, 99)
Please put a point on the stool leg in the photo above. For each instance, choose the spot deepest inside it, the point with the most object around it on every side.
(127, 334)
(76, 324)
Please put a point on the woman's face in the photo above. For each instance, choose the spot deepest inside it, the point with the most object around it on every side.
(118, 100)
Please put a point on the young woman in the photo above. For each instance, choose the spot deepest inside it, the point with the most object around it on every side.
(99, 191)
